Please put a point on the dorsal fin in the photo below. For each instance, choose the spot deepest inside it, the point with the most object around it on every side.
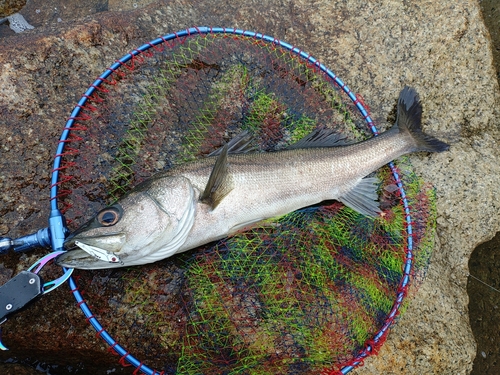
(321, 137)
(240, 144)
(219, 183)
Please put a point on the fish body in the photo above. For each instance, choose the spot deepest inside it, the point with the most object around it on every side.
(212, 198)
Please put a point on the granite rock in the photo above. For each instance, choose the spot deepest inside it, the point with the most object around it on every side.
(441, 48)
(8, 7)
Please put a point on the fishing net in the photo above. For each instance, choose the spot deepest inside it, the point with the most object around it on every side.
(311, 292)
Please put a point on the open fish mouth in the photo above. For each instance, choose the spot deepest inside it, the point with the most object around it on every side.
(75, 259)
(80, 254)
(98, 253)
(86, 257)
(110, 242)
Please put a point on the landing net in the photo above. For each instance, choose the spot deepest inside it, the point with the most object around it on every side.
(312, 292)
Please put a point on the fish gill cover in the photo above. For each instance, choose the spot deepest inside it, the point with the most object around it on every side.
(305, 293)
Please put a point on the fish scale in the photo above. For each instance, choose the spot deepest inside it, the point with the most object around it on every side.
(273, 184)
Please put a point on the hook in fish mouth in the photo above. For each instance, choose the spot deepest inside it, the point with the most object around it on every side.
(98, 253)
(80, 255)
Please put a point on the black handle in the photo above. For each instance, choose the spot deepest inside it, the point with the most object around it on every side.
(18, 293)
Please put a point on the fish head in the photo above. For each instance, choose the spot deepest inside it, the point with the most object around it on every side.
(148, 224)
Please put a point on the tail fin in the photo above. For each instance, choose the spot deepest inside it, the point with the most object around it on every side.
(409, 120)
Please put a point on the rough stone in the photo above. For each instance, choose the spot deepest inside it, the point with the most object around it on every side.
(8, 7)
(17, 369)
(441, 48)
(484, 305)
(127, 4)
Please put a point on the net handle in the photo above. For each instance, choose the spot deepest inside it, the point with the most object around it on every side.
(58, 229)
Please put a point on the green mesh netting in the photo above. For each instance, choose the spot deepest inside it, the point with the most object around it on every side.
(295, 295)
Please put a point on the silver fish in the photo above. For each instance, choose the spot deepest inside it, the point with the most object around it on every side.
(209, 199)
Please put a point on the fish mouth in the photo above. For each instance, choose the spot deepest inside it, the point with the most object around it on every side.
(76, 258)
(82, 260)
(92, 252)
(111, 242)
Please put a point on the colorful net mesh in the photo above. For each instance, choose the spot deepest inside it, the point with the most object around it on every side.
(312, 292)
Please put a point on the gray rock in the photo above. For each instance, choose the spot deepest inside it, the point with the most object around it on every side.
(441, 48)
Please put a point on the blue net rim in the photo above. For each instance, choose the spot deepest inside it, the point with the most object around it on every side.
(57, 229)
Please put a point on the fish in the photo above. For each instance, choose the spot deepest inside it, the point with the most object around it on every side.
(202, 201)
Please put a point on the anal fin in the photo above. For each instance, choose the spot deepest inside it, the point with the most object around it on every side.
(363, 197)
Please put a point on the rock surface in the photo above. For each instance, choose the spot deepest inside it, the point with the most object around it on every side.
(8, 7)
(484, 313)
(440, 48)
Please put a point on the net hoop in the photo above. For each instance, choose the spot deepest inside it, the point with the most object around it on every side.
(56, 220)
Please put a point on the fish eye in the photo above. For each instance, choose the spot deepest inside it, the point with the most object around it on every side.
(108, 217)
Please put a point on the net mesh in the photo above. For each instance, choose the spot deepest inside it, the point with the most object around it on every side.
(300, 294)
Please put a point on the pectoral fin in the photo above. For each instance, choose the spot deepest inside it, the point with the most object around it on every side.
(363, 197)
(219, 184)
